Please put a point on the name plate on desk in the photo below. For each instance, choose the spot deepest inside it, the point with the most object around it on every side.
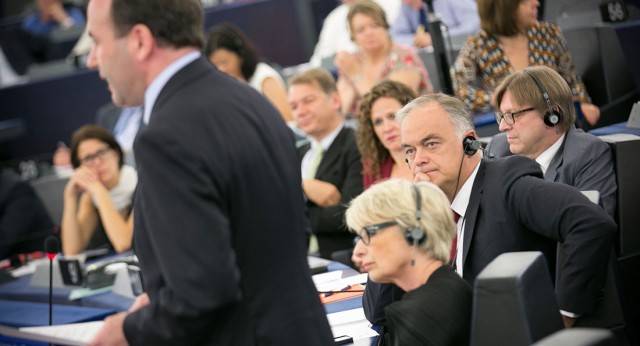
(72, 272)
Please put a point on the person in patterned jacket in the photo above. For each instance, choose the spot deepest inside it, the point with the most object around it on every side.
(512, 39)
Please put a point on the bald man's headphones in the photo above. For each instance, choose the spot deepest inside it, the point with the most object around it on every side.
(415, 235)
(551, 117)
(471, 145)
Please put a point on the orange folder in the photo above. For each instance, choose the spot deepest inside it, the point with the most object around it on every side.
(350, 292)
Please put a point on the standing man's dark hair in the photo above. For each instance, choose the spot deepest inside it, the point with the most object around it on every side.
(162, 23)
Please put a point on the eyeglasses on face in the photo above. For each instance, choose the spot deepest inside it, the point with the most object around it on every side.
(90, 159)
(510, 117)
(370, 231)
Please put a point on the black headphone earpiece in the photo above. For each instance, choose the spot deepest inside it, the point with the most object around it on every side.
(470, 145)
(552, 116)
(415, 235)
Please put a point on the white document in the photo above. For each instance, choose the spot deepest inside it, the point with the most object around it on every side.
(356, 331)
(337, 285)
(327, 277)
(65, 334)
(351, 323)
(315, 262)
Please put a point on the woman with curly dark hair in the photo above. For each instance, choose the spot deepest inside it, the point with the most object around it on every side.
(378, 135)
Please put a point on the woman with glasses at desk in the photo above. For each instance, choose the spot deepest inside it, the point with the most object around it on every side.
(407, 230)
(98, 197)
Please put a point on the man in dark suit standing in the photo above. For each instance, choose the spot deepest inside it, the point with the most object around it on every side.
(545, 132)
(219, 228)
(331, 165)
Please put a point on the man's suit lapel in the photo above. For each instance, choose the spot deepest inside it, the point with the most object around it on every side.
(332, 153)
(471, 215)
(303, 150)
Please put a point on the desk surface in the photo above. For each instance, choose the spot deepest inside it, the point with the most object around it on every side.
(20, 290)
(24, 305)
(615, 128)
(28, 314)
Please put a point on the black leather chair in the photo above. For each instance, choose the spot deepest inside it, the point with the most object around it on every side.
(514, 303)
(50, 189)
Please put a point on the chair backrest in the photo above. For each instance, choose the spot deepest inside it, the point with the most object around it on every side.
(625, 151)
(579, 337)
(514, 302)
(598, 58)
(429, 60)
(50, 189)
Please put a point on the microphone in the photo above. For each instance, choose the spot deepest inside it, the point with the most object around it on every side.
(51, 248)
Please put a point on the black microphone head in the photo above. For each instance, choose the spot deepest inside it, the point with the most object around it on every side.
(51, 245)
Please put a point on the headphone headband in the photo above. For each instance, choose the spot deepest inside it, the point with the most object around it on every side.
(544, 92)
(415, 234)
(551, 117)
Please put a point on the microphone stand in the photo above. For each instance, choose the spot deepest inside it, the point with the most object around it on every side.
(50, 290)
(51, 248)
(439, 48)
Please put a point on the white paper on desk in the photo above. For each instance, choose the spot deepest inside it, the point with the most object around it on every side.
(315, 262)
(352, 323)
(65, 334)
(359, 330)
(336, 285)
(327, 277)
(28, 268)
(347, 316)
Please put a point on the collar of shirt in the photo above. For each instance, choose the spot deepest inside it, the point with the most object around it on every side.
(544, 159)
(158, 83)
(126, 131)
(325, 143)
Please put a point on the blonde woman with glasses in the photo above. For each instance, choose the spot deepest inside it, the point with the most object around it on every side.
(407, 230)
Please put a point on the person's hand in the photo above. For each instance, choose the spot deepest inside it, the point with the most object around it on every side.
(62, 156)
(58, 14)
(85, 179)
(419, 175)
(321, 193)
(141, 300)
(422, 39)
(568, 321)
(591, 113)
(112, 332)
(348, 65)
